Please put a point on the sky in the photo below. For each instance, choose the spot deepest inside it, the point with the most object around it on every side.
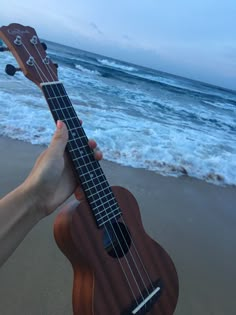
(191, 38)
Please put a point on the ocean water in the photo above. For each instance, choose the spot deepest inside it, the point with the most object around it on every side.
(140, 117)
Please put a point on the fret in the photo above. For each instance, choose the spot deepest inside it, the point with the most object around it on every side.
(88, 168)
(83, 147)
(96, 180)
(102, 199)
(109, 219)
(76, 149)
(101, 202)
(99, 206)
(105, 205)
(75, 118)
(57, 97)
(100, 209)
(91, 176)
(96, 188)
(86, 159)
(60, 109)
(77, 131)
(74, 129)
(97, 192)
(53, 90)
(91, 179)
(71, 122)
(83, 156)
(79, 167)
(107, 214)
(75, 139)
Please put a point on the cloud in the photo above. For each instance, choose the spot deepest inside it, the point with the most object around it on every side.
(127, 37)
(96, 28)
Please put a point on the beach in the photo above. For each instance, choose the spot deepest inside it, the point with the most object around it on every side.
(193, 220)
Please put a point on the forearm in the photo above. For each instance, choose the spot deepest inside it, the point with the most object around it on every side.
(18, 215)
(48, 185)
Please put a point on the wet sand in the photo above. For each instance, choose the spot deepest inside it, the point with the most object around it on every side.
(193, 220)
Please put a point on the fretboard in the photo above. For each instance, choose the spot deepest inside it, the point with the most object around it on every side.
(94, 183)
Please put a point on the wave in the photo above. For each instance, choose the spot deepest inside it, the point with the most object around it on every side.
(114, 64)
(85, 70)
(179, 87)
(184, 128)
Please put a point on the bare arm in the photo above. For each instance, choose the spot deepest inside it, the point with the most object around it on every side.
(49, 184)
(18, 214)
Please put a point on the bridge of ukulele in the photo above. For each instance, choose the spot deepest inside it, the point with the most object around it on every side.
(144, 304)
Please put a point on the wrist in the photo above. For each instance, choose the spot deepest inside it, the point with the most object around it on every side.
(31, 200)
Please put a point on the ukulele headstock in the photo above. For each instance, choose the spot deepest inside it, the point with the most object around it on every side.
(30, 54)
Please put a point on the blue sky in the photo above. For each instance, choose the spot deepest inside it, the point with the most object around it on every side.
(191, 38)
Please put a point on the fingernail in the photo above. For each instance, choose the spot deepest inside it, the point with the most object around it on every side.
(59, 124)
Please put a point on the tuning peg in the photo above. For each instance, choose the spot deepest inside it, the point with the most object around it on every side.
(11, 70)
(44, 46)
(2, 49)
(56, 65)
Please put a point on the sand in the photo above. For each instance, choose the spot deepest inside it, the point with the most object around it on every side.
(193, 220)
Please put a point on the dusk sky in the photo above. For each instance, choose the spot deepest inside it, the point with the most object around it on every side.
(194, 39)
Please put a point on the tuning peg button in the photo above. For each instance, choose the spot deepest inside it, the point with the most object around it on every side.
(44, 46)
(11, 70)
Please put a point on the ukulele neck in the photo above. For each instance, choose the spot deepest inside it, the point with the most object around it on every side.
(93, 181)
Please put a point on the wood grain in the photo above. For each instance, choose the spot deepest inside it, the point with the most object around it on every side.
(100, 284)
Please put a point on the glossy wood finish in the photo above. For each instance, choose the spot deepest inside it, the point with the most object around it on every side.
(100, 287)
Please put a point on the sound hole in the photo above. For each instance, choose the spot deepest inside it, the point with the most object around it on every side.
(116, 239)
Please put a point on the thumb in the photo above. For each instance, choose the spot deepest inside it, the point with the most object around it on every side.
(59, 140)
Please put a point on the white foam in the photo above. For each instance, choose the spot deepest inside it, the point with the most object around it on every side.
(116, 65)
(153, 129)
(87, 71)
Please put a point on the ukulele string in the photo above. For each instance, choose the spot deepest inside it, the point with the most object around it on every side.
(50, 72)
(104, 209)
(124, 238)
(38, 70)
(110, 224)
(36, 66)
(47, 65)
(131, 253)
(116, 253)
(127, 247)
(138, 255)
(127, 279)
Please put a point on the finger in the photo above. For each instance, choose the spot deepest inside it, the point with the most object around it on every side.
(79, 193)
(60, 138)
(92, 143)
(98, 155)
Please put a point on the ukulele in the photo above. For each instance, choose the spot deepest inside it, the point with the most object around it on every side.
(118, 268)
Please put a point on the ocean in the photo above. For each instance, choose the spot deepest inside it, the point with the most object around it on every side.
(140, 117)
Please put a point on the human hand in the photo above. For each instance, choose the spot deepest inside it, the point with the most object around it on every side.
(52, 180)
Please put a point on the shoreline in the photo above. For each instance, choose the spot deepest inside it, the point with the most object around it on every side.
(193, 220)
(211, 179)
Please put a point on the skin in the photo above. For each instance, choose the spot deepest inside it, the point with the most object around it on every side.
(49, 184)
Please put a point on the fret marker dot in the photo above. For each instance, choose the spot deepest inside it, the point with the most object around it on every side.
(91, 175)
(73, 134)
(81, 151)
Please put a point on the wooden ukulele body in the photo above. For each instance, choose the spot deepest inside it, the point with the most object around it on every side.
(100, 286)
